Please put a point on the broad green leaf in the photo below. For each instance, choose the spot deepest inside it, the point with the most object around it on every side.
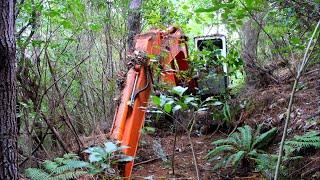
(176, 108)
(156, 100)
(188, 99)
(167, 107)
(163, 100)
(217, 103)
(179, 90)
(110, 147)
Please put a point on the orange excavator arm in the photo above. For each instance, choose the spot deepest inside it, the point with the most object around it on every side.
(170, 46)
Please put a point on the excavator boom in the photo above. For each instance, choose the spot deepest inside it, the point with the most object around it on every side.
(170, 46)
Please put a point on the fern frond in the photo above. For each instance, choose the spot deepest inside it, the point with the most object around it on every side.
(305, 144)
(36, 174)
(70, 156)
(246, 136)
(219, 149)
(264, 138)
(308, 140)
(235, 159)
(224, 141)
(71, 165)
(59, 160)
(236, 138)
(69, 175)
(220, 164)
(50, 165)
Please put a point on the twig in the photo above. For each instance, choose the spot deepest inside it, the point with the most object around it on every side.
(192, 149)
(191, 144)
(312, 161)
(174, 147)
(154, 159)
(300, 69)
(239, 121)
(312, 71)
(36, 149)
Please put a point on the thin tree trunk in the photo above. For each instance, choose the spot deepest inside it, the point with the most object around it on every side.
(134, 22)
(8, 121)
(250, 44)
(256, 75)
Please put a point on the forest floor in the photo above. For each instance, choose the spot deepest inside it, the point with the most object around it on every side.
(267, 106)
(149, 165)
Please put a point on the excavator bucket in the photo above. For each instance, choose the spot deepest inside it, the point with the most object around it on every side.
(130, 114)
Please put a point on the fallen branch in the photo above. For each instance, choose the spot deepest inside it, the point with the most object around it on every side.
(155, 159)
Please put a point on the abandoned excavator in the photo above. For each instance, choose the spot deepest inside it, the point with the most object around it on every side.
(169, 49)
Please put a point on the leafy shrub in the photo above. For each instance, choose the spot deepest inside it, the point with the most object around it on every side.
(240, 147)
(177, 101)
(102, 159)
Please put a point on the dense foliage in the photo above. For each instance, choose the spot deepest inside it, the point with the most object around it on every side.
(71, 54)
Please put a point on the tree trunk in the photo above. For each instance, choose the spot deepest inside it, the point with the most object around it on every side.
(134, 22)
(250, 38)
(256, 75)
(8, 121)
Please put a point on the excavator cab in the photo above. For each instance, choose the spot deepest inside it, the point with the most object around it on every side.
(212, 77)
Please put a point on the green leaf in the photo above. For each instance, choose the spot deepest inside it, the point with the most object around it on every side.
(96, 154)
(149, 129)
(110, 147)
(167, 107)
(264, 138)
(156, 100)
(188, 99)
(246, 136)
(95, 27)
(219, 149)
(235, 159)
(176, 108)
(207, 10)
(217, 103)
(163, 100)
(179, 90)
(67, 24)
(222, 141)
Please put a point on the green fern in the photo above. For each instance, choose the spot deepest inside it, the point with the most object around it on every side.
(299, 142)
(37, 174)
(69, 175)
(241, 146)
(62, 168)
(69, 166)
(266, 162)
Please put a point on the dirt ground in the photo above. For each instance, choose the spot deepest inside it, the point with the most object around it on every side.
(184, 167)
(267, 106)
